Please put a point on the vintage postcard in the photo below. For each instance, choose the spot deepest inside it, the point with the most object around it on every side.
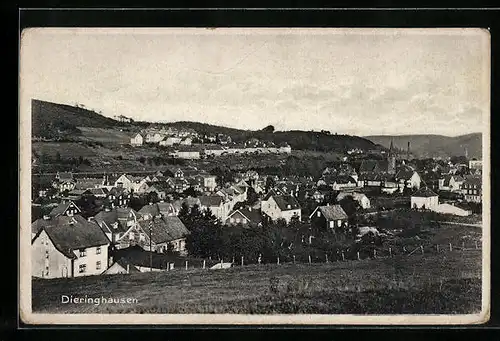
(254, 176)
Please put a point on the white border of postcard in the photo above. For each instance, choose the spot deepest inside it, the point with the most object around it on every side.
(28, 317)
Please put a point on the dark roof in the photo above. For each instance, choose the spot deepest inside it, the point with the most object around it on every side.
(97, 191)
(332, 212)
(339, 179)
(72, 233)
(118, 215)
(273, 192)
(123, 262)
(117, 191)
(61, 208)
(424, 192)
(473, 180)
(211, 200)
(253, 215)
(369, 166)
(283, 201)
(405, 173)
(165, 229)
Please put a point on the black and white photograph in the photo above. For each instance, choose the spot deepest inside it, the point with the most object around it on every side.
(254, 176)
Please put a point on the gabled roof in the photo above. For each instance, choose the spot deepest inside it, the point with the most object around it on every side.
(253, 215)
(405, 174)
(119, 215)
(286, 202)
(73, 233)
(424, 192)
(211, 200)
(331, 212)
(273, 192)
(62, 207)
(117, 191)
(165, 229)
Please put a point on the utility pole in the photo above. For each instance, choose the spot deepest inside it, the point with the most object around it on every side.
(150, 246)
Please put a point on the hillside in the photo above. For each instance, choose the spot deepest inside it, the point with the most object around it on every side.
(298, 140)
(52, 120)
(434, 145)
(61, 121)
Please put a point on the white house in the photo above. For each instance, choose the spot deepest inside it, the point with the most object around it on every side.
(281, 207)
(170, 141)
(408, 178)
(137, 140)
(69, 246)
(452, 183)
(424, 198)
(361, 198)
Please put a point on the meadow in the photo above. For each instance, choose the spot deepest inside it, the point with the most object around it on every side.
(425, 284)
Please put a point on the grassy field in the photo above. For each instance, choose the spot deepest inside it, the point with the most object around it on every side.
(105, 135)
(424, 284)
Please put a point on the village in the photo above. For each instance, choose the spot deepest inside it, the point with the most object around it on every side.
(163, 220)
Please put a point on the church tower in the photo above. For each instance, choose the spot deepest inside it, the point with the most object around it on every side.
(391, 159)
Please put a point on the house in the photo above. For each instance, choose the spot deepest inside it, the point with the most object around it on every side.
(137, 140)
(118, 197)
(127, 181)
(476, 164)
(338, 183)
(451, 183)
(88, 183)
(208, 181)
(187, 152)
(424, 198)
(179, 185)
(213, 150)
(408, 178)
(116, 223)
(247, 216)
(121, 266)
(96, 192)
(472, 189)
(217, 205)
(64, 181)
(159, 188)
(67, 208)
(158, 209)
(69, 246)
(170, 141)
(186, 141)
(333, 217)
(360, 198)
(167, 233)
(281, 207)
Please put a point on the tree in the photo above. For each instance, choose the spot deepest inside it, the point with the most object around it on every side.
(252, 196)
(268, 129)
(270, 183)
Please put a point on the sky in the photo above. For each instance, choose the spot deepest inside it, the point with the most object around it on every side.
(348, 81)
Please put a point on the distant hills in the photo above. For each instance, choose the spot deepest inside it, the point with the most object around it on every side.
(52, 120)
(434, 145)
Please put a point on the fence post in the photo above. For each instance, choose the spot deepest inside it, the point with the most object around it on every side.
(186, 265)
(326, 257)
(233, 259)
(293, 259)
(374, 253)
(241, 260)
(390, 252)
(451, 247)
(259, 259)
(278, 262)
(204, 263)
(358, 256)
(422, 248)
(343, 256)
(309, 259)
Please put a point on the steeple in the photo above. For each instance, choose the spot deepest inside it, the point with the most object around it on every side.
(391, 148)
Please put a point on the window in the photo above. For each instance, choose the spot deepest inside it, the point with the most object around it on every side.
(339, 222)
(98, 265)
(83, 252)
(237, 220)
(82, 268)
(131, 236)
(98, 250)
(231, 220)
(318, 214)
(331, 223)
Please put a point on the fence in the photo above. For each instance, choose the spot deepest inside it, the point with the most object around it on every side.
(331, 257)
